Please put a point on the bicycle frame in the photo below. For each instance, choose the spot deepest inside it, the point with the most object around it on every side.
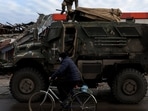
(50, 93)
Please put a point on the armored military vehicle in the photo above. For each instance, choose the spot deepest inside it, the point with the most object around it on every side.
(104, 51)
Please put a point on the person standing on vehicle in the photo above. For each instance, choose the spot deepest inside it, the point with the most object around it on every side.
(68, 76)
(69, 4)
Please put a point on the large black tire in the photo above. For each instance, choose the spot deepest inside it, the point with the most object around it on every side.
(25, 82)
(129, 86)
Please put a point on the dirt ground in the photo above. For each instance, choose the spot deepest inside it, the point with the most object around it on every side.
(4, 84)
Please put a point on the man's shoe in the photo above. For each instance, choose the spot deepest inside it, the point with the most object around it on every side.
(65, 104)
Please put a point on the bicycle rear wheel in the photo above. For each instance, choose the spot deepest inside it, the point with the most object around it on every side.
(83, 102)
(41, 101)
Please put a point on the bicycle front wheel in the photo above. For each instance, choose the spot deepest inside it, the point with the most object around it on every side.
(41, 101)
(83, 102)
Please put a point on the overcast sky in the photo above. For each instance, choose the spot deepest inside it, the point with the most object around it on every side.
(25, 11)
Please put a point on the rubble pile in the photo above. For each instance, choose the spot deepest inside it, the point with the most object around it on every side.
(11, 29)
(8, 35)
(15, 35)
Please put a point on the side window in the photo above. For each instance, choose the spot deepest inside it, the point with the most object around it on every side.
(69, 40)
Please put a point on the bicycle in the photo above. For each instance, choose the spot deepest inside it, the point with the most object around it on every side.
(78, 101)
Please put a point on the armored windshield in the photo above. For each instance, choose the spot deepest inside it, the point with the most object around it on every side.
(54, 31)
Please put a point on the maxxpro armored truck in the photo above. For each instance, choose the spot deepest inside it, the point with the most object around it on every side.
(104, 51)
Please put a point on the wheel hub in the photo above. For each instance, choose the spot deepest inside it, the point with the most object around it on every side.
(26, 86)
(129, 87)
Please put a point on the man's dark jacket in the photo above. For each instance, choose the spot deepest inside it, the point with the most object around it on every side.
(68, 70)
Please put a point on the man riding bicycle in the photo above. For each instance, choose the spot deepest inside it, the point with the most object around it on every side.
(68, 76)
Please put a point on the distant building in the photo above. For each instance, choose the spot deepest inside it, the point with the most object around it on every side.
(138, 17)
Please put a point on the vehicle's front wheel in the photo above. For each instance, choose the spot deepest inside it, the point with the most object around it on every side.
(129, 86)
(25, 82)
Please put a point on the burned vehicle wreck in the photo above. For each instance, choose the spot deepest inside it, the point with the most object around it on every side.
(104, 51)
